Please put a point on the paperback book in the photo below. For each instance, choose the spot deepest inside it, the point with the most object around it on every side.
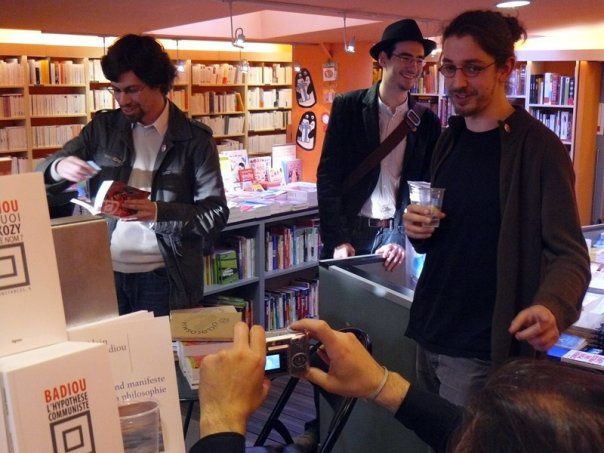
(59, 398)
(204, 323)
(142, 366)
(110, 198)
(31, 305)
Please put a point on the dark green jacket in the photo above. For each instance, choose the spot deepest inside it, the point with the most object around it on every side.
(186, 185)
(541, 256)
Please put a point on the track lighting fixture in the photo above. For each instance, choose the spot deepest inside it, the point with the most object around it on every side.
(349, 46)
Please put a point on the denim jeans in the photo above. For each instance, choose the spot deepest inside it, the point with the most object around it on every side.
(366, 240)
(456, 379)
(143, 291)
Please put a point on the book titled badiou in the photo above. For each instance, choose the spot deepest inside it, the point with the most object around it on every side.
(110, 197)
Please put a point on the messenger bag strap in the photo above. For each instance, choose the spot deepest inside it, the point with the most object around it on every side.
(410, 123)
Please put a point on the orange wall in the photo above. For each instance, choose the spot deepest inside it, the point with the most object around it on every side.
(354, 72)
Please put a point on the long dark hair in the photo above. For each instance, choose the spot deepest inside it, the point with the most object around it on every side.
(535, 406)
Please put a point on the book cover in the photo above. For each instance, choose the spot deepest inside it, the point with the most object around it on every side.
(569, 341)
(63, 394)
(31, 305)
(281, 153)
(204, 323)
(292, 170)
(585, 359)
(3, 433)
(197, 348)
(261, 166)
(142, 367)
(110, 198)
(238, 161)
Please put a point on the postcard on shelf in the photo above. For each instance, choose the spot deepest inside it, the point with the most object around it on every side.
(142, 366)
(204, 323)
(110, 197)
(31, 304)
(63, 395)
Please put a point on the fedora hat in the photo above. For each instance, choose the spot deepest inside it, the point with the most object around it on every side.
(403, 30)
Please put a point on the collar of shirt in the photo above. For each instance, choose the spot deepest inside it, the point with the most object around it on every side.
(161, 123)
(400, 109)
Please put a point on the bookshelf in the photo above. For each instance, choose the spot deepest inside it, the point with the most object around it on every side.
(48, 93)
(258, 280)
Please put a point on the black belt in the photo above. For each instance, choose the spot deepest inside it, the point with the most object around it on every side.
(376, 223)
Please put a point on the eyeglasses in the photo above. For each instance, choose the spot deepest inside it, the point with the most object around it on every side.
(409, 60)
(130, 91)
(469, 70)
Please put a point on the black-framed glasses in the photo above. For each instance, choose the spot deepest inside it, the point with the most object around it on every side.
(130, 91)
(408, 59)
(469, 70)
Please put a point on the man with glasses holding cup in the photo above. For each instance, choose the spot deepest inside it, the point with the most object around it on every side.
(364, 216)
(150, 144)
(507, 268)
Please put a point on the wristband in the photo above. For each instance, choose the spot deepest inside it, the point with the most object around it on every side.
(373, 395)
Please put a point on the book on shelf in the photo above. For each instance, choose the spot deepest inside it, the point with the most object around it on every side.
(570, 341)
(110, 198)
(238, 160)
(142, 366)
(63, 395)
(31, 309)
(260, 165)
(197, 348)
(243, 306)
(227, 268)
(204, 323)
(585, 359)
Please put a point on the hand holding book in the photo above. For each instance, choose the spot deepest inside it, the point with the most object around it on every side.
(118, 200)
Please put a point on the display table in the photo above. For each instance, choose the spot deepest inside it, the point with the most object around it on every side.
(358, 292)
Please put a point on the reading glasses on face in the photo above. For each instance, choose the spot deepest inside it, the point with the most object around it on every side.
(408, 59)
(469, 70)
(130, 91)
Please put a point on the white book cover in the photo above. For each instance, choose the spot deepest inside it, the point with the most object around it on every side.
(31, 305)
(238, 159)
(3, 433)
(58, 398)
(142, 365)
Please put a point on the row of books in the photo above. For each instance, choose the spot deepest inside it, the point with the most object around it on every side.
(58, 104)
(216, 102)
(286, 304)
(269, 120)
(258, 98)
(12, 105)
(179, 97)
(13, 138)
(427, 83)
(13, 165)
(576, 350)
(559, 121)
(11, 72)
(270, 74)
(216, 74)
(226, 144)
(552, 88)
(103, 99)
(224, 125)
(445, 110)
(54, 135)
(95, 71)
(291, 245)
(516, 85)
(221, 267)
(47, 72)
(260, 144)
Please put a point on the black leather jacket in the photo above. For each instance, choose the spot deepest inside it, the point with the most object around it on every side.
(186, 185)
(352, 135)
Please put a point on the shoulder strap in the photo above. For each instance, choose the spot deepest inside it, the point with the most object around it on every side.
(410, 123)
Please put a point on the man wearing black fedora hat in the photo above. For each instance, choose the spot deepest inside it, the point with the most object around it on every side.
(362, 177)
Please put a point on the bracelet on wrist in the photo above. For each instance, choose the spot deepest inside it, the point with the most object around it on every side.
(373, 395)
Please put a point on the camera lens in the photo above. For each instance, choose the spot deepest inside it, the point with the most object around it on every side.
(299, 360)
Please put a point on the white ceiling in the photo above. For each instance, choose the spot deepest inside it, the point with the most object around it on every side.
(315, 20)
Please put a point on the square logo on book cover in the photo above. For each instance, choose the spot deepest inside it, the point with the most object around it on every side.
(13, 266)
(73, 434)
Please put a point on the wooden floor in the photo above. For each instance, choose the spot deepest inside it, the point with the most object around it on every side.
(299, 409)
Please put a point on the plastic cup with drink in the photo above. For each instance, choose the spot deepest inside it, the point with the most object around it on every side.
(421, 193)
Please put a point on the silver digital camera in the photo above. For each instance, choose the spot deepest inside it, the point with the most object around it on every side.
(286, 353)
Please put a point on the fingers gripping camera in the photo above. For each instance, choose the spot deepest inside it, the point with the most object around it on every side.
(286, 353)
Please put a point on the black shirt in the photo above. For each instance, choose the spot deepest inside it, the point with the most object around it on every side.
(453, 305)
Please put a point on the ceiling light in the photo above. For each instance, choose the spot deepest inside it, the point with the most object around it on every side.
(180, 64)
(297, 67)
(349, 46)
(513, 4)
(239, 39)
